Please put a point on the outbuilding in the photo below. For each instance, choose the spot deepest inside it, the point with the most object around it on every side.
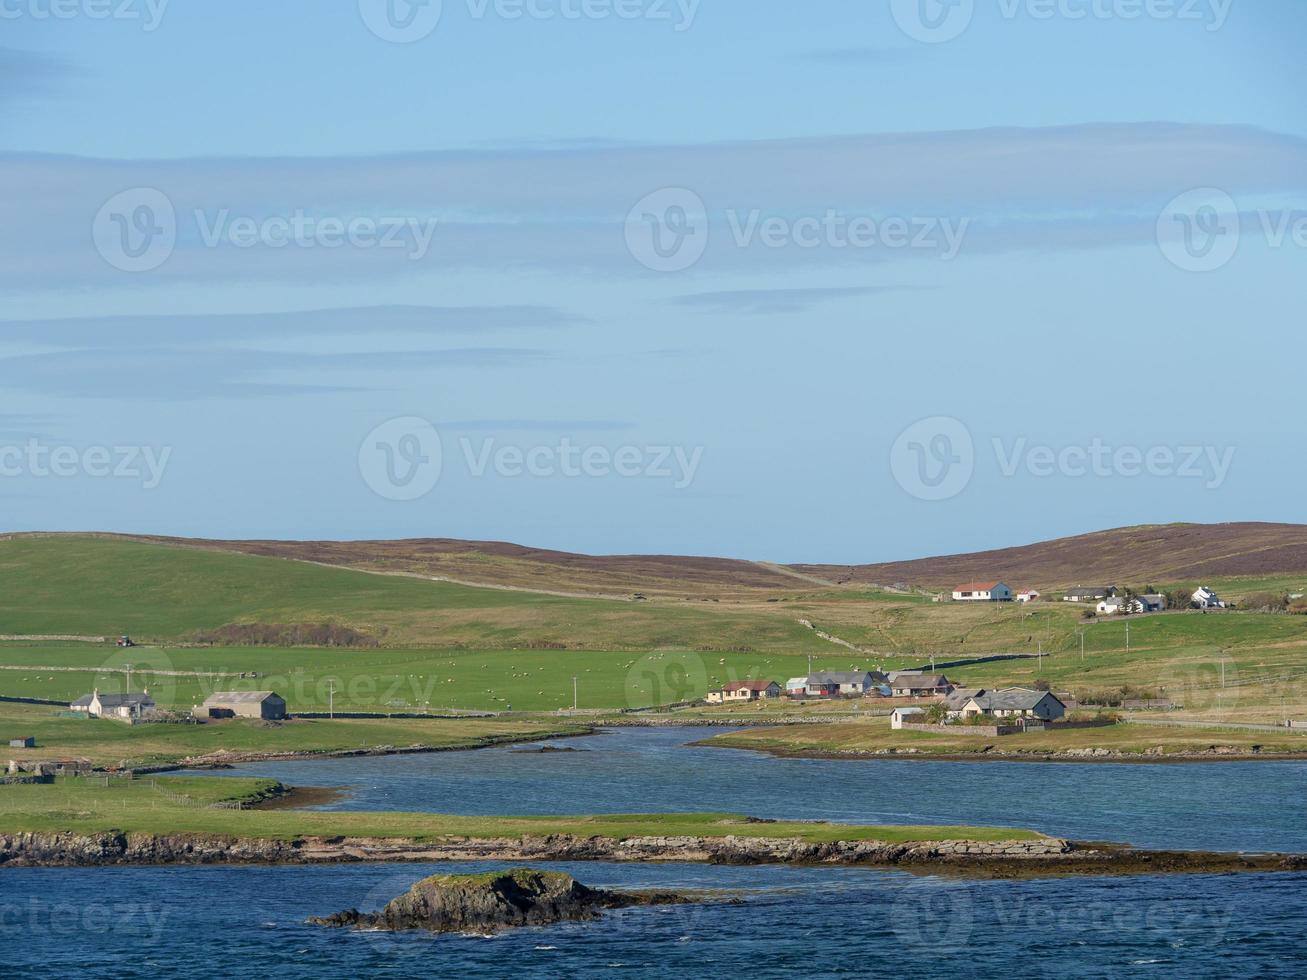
(265, 705)
(910, 716)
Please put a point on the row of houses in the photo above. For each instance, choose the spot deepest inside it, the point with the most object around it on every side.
(832, 684)
(1109, 598)
(135, 708)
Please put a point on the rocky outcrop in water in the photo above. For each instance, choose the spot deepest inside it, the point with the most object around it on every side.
(492, 902)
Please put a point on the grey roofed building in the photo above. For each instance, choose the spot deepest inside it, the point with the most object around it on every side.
(1009, 701)
(114, 700)
(848, 681)
(267, 705)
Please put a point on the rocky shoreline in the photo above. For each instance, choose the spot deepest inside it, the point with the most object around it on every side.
(1217, 753)
(1045, 857)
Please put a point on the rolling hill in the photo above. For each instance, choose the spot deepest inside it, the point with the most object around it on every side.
(1170, 553)
(1167, 553)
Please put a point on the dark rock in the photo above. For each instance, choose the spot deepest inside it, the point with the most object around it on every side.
(492, 902)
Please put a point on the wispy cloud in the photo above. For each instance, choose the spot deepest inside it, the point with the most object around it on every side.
(862, 56)
(188, 374)
(755, 301)
(25, 74)
(565, 210)
(217, 328)
(536, 425)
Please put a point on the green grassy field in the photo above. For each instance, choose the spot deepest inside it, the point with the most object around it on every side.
(179, 805)
(117, 745)
(387, 680)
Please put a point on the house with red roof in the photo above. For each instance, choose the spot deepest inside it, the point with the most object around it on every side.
(982, 592)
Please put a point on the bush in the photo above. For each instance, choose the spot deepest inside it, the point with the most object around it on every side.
(1265, 602)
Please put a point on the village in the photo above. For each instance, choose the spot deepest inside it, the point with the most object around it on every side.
(928, 701)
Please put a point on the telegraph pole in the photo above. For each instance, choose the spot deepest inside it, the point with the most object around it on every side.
(331, 699)
(574, 699)
(1082, 646)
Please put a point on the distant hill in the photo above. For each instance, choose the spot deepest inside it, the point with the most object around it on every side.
(1131, 555)
(1136, 555)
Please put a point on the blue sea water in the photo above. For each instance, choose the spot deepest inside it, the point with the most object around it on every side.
(811, 922)
(1226, 806)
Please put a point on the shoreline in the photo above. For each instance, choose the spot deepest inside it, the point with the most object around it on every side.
(229, 760)
(1048, 858)
(1081, 757)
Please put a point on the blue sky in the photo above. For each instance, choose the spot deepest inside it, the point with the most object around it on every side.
(762, 279)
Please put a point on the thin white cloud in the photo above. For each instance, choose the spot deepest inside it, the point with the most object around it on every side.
(565, 209)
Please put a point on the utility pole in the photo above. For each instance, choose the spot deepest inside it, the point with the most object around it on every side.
(128, 668)
(331, 699)
(574, 700)
(1127, 637)
(1082, 646)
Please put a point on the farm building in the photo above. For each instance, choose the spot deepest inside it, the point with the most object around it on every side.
(1205, 598)
(26, 742)
(120, 707)
(982, 592)
(737, 691)
(266, 705)
(1027, 595)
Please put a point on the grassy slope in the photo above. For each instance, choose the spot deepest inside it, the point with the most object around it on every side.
(875, 736)
(72, 585)
(110, 743)
(140, 806)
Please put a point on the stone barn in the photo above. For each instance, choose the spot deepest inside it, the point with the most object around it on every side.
(265, 705)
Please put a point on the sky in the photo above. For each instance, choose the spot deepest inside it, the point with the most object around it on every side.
(826, 282)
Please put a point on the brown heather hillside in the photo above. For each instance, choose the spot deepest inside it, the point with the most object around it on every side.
(1137, 555)
(1133, 555)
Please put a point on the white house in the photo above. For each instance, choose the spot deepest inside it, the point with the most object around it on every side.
(1114, 606)
(982, 592)
(1205, 598)
(120, 707)
(1012, 702)
(797, 687)
(742, 691)
(1027, 595)
(1090, 593)
(912, 716)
